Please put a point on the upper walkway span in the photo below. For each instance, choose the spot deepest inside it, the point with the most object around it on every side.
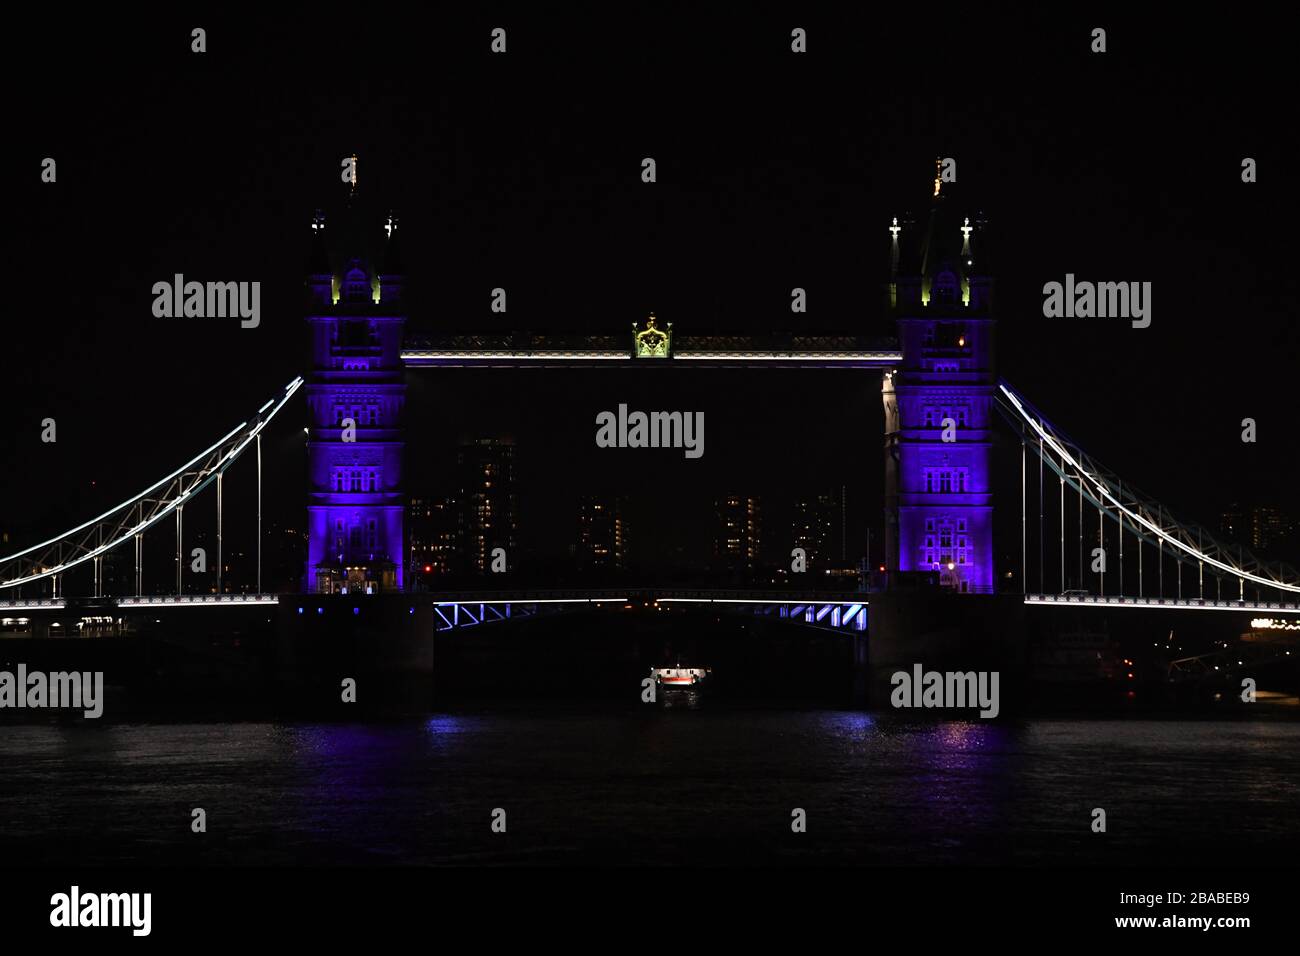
(524, 350)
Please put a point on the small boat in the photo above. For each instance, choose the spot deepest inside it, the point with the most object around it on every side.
(679, 676)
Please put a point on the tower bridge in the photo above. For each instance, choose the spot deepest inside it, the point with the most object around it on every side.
(942, 399)
(939, 370)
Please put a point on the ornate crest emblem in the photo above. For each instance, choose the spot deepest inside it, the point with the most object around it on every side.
(652, 341)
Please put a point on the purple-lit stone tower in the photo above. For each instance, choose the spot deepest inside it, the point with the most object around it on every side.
(938, 494)
(354, 501)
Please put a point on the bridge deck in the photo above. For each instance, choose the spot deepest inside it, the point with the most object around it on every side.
(1172, 604)
(638, 595)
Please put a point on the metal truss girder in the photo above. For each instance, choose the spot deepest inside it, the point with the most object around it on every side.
(455, 615)
(118, 525)
(842, 616)
(1108, 493)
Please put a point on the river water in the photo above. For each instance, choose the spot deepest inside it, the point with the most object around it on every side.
(658, 785)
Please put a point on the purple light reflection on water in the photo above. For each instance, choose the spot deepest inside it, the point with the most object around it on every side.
(714, 785)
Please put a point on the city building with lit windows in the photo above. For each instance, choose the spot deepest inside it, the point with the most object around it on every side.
(737, 532)
(817, 526)
(602, 533)
(433, 525)
(489, 504)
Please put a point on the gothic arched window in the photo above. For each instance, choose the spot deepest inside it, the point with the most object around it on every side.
(944, 288)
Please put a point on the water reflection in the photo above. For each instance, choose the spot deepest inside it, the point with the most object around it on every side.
(715, 788)
(680, 698)
(854, 724)
(447, 725)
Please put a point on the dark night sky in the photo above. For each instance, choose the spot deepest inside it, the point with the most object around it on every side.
(522, 171)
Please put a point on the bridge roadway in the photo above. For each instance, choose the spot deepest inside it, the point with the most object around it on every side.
(628, 595)
(1093, 601)
(835, 610)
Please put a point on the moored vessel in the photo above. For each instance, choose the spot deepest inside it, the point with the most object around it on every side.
(679, 676)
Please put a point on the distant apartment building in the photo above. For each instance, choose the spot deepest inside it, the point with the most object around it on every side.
(817, 525)
(1269, 528)
(434, 524)
(737, 536)
(1259, 526)
(602, 533)
(489, 504)
(1234, 522)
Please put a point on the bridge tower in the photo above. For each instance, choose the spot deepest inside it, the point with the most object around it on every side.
(354, 508)
(938, 482)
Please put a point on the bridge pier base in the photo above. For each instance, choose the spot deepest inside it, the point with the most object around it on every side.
(861, 669)
(947, 632)
(382, 642)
